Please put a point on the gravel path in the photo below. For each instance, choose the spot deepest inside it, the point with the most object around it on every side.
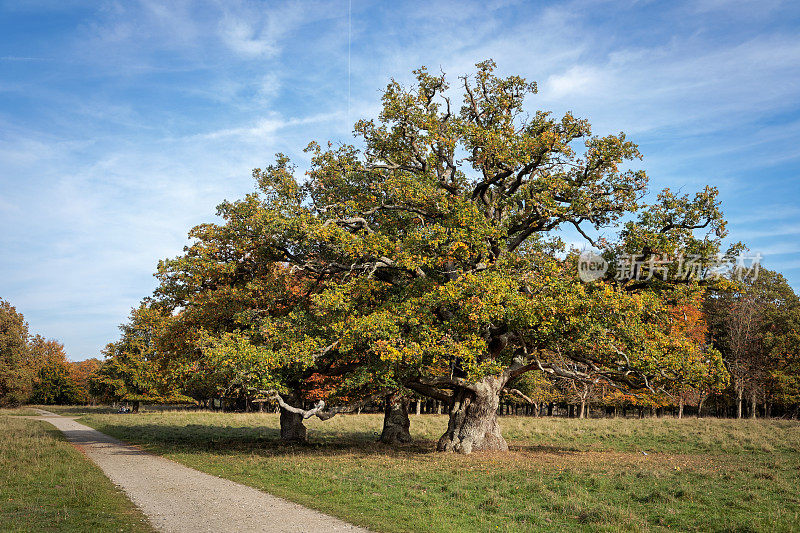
(177, 498)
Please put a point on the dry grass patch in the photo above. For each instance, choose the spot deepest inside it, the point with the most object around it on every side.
(18, 411)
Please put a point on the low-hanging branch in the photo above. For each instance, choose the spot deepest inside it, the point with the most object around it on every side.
(319, 408)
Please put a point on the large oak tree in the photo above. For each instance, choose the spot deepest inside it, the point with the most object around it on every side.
(434, 259)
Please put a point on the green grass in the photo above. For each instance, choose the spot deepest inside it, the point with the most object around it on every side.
(46, 484)
(77, 410)
(561, 475)
(81, 410)
(18, 411)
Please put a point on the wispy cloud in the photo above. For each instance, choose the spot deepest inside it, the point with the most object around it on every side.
(18, 58)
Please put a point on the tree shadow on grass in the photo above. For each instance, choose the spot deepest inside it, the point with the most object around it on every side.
(260, 441)
(265, 442)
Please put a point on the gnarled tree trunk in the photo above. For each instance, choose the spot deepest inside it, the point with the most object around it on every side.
(473, 419)
(292, 428)
(395, 420)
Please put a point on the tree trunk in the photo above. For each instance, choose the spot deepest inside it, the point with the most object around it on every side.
(700, 407)
(292, 428)
(419, 406)
(473, 422)
(395, 420)
(739, 402)
(582, 412)
(680, 407)
(754, 412)
(135, 407)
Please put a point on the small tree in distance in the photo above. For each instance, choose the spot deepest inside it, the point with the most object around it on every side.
(15, 369)
(133, 369)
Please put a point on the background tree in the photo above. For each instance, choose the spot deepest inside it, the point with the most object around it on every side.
(539, 390)
(134, 370)
(754, 324)
(82, 373)
(688, 319)
(15, 369)
(53, 382)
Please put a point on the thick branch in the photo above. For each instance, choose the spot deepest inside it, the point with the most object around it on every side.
(319, 408)
(449, 383)
(429, 391)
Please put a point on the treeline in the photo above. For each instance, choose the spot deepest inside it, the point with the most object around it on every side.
(36, 370)
(753, 323)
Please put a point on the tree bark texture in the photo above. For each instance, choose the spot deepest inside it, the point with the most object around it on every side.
(292, 428)
(473, 422)
(395, 421)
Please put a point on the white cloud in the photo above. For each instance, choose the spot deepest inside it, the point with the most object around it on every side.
(269, 86)
(265, 128)
(244, 38)
(578, 80)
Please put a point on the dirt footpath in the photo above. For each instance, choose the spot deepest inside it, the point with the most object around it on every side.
(177, 498)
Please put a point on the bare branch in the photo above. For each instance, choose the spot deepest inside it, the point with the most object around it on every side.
(577, 225)
(351, 223)
(519, 393)
(319, 408)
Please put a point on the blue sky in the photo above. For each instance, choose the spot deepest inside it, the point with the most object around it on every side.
(123, 124)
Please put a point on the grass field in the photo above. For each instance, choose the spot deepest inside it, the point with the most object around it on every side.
(48, 485)
(561, 475)
(18, 411)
